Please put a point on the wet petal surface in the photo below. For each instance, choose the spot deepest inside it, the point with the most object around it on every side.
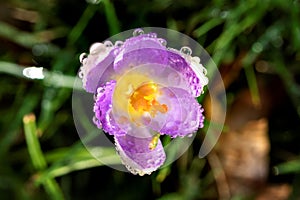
(136, 154)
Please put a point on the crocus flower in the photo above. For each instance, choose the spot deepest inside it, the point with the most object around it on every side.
(142, 90)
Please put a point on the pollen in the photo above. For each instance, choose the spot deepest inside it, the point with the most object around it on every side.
(143, 99)
(154, 142)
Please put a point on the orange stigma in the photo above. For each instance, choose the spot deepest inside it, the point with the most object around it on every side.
(143, 99)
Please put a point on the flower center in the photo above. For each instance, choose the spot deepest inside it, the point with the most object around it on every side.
(143, 99)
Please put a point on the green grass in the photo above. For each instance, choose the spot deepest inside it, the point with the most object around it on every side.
(41, 155)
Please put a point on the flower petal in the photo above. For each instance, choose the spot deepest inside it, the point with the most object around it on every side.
(97, 68)
(103, 110)
(188, 71)
(143, 50)
(135, 153)
(140, 50)
(184, 115)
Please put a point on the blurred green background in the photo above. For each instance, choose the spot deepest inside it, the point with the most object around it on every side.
(255, 44)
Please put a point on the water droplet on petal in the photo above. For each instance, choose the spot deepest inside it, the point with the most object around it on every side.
(80, 74)
(163, 42)
(190, 135)
(138, 32)
(119, 43)
(196, 80)
(96, 121)
(108, 44)
(196, 59)
(151, 162)
(100, 89)
(172, 49)
(95, 97)
(186, 51)
(152, 35)
(156, 162)
(83, 57)
(204, 71)
(193, 123)
(96, 47)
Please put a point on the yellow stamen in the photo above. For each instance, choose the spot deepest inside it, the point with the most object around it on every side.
(154, 142)
(143, 99)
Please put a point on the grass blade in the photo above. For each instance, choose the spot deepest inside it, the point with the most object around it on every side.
(37, 157)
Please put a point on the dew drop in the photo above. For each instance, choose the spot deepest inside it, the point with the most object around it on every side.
(163, 42)
(119, 43)
(96, 121)
(95, 97)
(80, 74)
(204, 71)
(83, 57)
(138, 32)
(96, 47)
(186, 51)
(196, 80)
(193, 123)
(100, 90)
(172, 49)
(156, 162)
(151, 162)
(108, 44)
(152, 35)
(190, 135)
(196, 59)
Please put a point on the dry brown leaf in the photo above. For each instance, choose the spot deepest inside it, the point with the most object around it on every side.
(275, 192)
(244, 157)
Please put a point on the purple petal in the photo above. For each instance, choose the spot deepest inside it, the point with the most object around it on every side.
(106, 60)
(103, 110)
(97, 68)
(181, 65)
(143, 50)
(135, 153)
(184, 115)
(140, 50)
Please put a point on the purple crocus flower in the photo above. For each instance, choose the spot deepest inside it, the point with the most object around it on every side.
(143, 90)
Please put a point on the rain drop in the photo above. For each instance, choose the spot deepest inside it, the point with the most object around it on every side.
(83, 57)
(95, 96)
(204, 71)
(96, 121)
(196, 59)
(151, 162)
(193, 123)
(195, 80)
(190, 135)
(95, 47)
(186, 51)
(152, 35)
(100, 90)
(163, 42)
(80, 74)
(156, 162)
(108, 44)
(119, 43)
(138, 32)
